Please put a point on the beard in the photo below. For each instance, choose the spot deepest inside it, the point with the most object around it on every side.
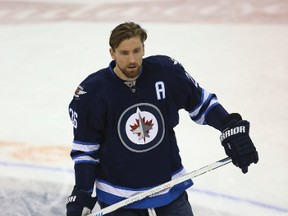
(130, 71)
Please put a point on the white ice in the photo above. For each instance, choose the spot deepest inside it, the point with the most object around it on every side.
(41, 64)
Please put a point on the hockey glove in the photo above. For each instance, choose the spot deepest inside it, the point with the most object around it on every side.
(79, 203)
(237, 142)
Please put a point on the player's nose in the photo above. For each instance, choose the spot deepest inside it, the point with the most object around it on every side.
(132, 58)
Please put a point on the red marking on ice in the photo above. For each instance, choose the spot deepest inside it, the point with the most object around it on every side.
(192, 11)
(31, 153)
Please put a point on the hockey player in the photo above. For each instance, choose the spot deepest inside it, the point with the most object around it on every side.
(123, 118)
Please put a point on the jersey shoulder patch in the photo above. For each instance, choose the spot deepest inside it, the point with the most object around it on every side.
(79, 91)
(87, 85)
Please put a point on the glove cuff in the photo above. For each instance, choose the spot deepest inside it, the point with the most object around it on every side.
(232, 116)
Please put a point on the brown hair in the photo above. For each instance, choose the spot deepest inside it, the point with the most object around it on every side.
(125, 31)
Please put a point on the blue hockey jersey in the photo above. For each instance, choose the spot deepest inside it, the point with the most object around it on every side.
(123, 131)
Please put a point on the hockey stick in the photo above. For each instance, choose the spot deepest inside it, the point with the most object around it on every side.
(162, 187)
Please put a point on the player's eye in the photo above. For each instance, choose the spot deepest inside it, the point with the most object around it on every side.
(124, 53)
(137, 50)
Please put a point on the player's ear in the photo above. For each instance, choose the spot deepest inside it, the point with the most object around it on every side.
(112, 53)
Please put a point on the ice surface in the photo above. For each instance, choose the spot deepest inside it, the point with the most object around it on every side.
(245, 63)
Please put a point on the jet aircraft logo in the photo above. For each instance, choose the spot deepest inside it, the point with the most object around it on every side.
(79, 91)
(141, 127)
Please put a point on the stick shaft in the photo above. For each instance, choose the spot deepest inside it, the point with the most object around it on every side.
(162, 187)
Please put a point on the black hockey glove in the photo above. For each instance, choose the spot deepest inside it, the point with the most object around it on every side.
(237, 142)
(79, 203)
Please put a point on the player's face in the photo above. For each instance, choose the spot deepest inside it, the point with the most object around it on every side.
(128, 57)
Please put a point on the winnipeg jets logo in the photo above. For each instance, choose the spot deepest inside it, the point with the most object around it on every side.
(79, 91)
(141, 127)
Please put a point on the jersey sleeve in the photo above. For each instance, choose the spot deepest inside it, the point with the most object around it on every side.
(87, 137)
(203, 106)
(85, 143)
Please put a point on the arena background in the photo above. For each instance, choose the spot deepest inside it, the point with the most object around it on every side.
(237, 49)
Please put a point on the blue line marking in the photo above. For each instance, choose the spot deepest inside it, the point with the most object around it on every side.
(35, 166)
(239, 199)
(194, 189)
